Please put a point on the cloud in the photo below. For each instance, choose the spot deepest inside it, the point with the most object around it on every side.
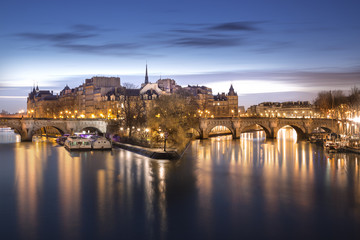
(74, 41)
(221, 35)
(234, 26)
(311, 80)
(206, 42)
(85, 28)
(211, 35)
(113, 49)
(56, 37)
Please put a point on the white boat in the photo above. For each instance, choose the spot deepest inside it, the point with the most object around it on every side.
(78, 143)
(100, 143)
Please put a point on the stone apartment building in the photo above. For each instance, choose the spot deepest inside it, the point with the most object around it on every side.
(290, 109)
(85, 101)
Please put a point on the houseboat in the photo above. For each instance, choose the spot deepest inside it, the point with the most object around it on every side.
(61, 140)
(100, 143)
(78, 143)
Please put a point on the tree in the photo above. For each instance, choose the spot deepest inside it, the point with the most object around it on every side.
(330, 102)
(133, 111)
(354, 98)
(174, 114)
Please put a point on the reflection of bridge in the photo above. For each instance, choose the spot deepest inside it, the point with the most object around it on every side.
(302, 126)
(26, 127)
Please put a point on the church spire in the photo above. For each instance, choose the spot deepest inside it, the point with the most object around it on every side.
(146, 76)
(232, 91)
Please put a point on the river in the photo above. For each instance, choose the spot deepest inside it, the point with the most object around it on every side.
(220, 189)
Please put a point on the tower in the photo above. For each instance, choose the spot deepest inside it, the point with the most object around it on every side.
(231, 91)
(146, 76)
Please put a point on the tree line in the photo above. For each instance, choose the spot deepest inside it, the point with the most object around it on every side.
(337, 103)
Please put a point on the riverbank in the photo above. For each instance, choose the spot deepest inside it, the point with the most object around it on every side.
(154, 153)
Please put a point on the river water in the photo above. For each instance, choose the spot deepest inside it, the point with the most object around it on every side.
(220, 189)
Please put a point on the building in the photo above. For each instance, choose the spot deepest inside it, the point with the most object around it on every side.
(40, 103)
(220, 105)
(226, 105)
(104, 97)
(89, 100)
(291, 109)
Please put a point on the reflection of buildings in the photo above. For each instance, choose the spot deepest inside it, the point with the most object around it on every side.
(29, 168)
(104, 97)
(134, 187)
(69, 170)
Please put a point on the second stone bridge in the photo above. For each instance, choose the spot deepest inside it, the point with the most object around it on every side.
(302, 126)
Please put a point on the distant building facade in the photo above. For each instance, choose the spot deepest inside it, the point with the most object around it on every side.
(91, 99)
(104, 97)
(291, 109)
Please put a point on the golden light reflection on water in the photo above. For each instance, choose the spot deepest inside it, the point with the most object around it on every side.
(275, 167)
(69, 175)
(239, 178)
(118, 183)
(29, 169)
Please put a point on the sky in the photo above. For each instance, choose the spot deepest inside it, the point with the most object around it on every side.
(269, 50)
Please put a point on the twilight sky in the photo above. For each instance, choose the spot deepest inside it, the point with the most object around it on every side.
(269, 50)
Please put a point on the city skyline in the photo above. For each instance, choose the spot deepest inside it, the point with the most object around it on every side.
(272, 51)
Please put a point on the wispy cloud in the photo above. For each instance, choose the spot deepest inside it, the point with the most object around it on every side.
(78, 39)
(311, 80)
(112, 49)
(235, 26)
(55, 37)
(89, 39)
(207, 41)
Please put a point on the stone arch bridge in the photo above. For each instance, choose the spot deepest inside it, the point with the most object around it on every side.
(26, 127)
(302, 126)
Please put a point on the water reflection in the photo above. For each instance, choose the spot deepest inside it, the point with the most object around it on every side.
(270, 177)
(7, 135)
(69, 178)
(29, 168)
(251, 187)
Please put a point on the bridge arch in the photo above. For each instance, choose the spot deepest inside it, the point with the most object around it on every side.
(91, 129)
(193, 132)
(220, 130)
(321, 129)
(224, 124)
(255, 126)
(38, 128)
(300, 130)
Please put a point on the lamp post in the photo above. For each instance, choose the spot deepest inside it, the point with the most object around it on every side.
(166, 134)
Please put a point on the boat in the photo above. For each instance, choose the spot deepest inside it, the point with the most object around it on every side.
(332, 146)
(353, 145)
(100, 143)
(61, 140)
(78, 143)
(93, 143)
(353, 149)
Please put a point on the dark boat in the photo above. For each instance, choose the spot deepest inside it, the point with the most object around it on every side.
(61, 140)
